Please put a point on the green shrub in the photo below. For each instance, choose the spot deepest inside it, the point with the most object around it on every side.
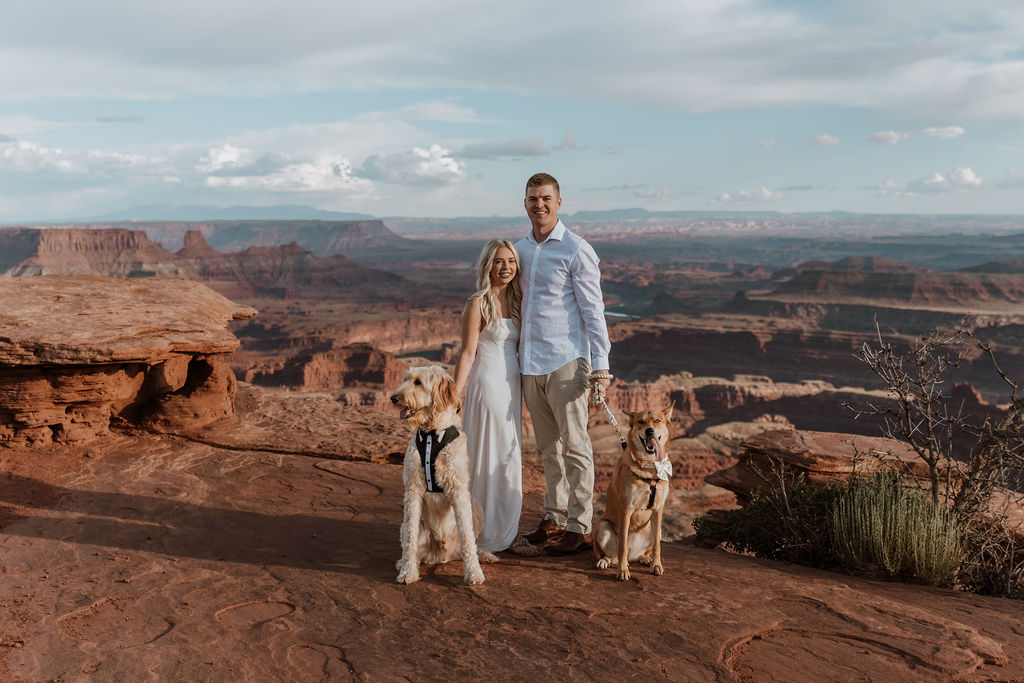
(780, 524)
(879, 528)
(867, 526)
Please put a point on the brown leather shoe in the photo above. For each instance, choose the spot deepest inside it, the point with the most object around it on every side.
(570, 542)
(546, 531)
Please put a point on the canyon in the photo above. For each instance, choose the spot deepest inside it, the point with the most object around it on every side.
(218, 484)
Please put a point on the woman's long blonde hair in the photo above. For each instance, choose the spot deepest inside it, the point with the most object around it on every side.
(489, 309)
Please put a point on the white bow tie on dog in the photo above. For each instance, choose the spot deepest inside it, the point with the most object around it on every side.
(663, 468)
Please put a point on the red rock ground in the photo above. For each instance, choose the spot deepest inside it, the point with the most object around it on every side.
(146, 557)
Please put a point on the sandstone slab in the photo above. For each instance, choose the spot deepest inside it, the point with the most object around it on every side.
(162, 559)
(78, 351)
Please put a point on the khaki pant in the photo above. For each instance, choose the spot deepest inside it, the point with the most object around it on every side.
(558, 407)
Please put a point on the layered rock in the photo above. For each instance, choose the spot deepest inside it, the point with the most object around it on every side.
(79, 351)
(822, 457)
(119, 253)
(322, 237)
(355, 366)
(775, 455)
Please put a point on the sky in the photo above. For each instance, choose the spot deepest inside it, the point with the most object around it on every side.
(444, 108)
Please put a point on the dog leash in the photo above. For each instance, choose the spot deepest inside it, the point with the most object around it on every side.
(600, 401)
(664, 471)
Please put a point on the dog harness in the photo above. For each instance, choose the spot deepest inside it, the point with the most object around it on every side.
(429, 445)
(663, 471)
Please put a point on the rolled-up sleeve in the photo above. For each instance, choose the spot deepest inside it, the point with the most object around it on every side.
(586, 279)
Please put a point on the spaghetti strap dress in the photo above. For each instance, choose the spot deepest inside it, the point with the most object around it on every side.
(492, 420)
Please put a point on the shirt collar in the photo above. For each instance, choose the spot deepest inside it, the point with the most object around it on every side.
(557, 233)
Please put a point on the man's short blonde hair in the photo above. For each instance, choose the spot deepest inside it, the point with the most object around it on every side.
(541, 179)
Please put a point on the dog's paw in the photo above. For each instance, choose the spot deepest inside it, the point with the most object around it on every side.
(474, 577)
(408, 576)
(657, 569)
(623, 574)
(604, 563)
(486, 556)
(646, 560)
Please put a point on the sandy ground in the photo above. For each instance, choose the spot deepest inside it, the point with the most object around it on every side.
(154, 558)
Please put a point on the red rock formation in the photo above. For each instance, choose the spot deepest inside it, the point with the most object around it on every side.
(323, 238)
(355, 366)
(118, 253)
(821, 456)
(824, 457)
(81, 350)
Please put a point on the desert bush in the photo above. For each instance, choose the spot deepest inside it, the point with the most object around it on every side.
(880, 528)
(920, 413)
(870, 526)
(948, 528)
(781, 522)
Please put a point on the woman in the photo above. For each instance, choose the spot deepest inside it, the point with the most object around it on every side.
(488, 369)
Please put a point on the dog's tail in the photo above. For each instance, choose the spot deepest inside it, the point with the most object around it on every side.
(486, 556)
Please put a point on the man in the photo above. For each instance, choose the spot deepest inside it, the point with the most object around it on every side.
(563, 336)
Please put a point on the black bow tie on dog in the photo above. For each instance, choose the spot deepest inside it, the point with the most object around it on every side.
(429, 445)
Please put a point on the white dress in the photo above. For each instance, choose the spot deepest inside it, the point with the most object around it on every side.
(492, 420)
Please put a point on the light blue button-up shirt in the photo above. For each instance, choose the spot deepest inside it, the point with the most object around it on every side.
(562, 310)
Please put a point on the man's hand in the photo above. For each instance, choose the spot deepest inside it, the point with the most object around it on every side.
(600, 380)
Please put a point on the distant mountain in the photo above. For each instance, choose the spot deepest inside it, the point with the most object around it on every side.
(205, 212)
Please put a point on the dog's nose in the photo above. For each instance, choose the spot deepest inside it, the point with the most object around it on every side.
(649, 432)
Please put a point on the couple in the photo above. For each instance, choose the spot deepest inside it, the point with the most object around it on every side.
(533, 331)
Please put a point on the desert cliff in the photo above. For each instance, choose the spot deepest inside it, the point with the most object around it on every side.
(81, 351)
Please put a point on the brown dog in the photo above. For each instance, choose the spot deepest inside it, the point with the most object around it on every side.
(441, 521)
(630, 528)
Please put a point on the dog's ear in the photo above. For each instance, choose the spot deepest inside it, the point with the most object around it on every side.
(443, 395)
(630, 415)
(668, 411)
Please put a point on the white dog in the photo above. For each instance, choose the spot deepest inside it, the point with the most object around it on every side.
(441, 521)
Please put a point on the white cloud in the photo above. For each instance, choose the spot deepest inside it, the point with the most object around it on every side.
(418, 166)
(768, 144)
(225, 156)
(964, 178)
(825, 140)
(28, 157)
(761, 194)
(658, 193)
(956, 180)
(962, 58)
(889, 137)
(327, 174)
(946, 133)
(890, 188)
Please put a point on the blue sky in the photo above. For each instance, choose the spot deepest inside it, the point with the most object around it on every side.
(444, 108)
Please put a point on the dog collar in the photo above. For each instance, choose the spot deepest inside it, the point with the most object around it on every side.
(429, 445)
(662, 468)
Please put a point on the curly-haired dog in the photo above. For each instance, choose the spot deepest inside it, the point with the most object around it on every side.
(630, 528)
(441, 521)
